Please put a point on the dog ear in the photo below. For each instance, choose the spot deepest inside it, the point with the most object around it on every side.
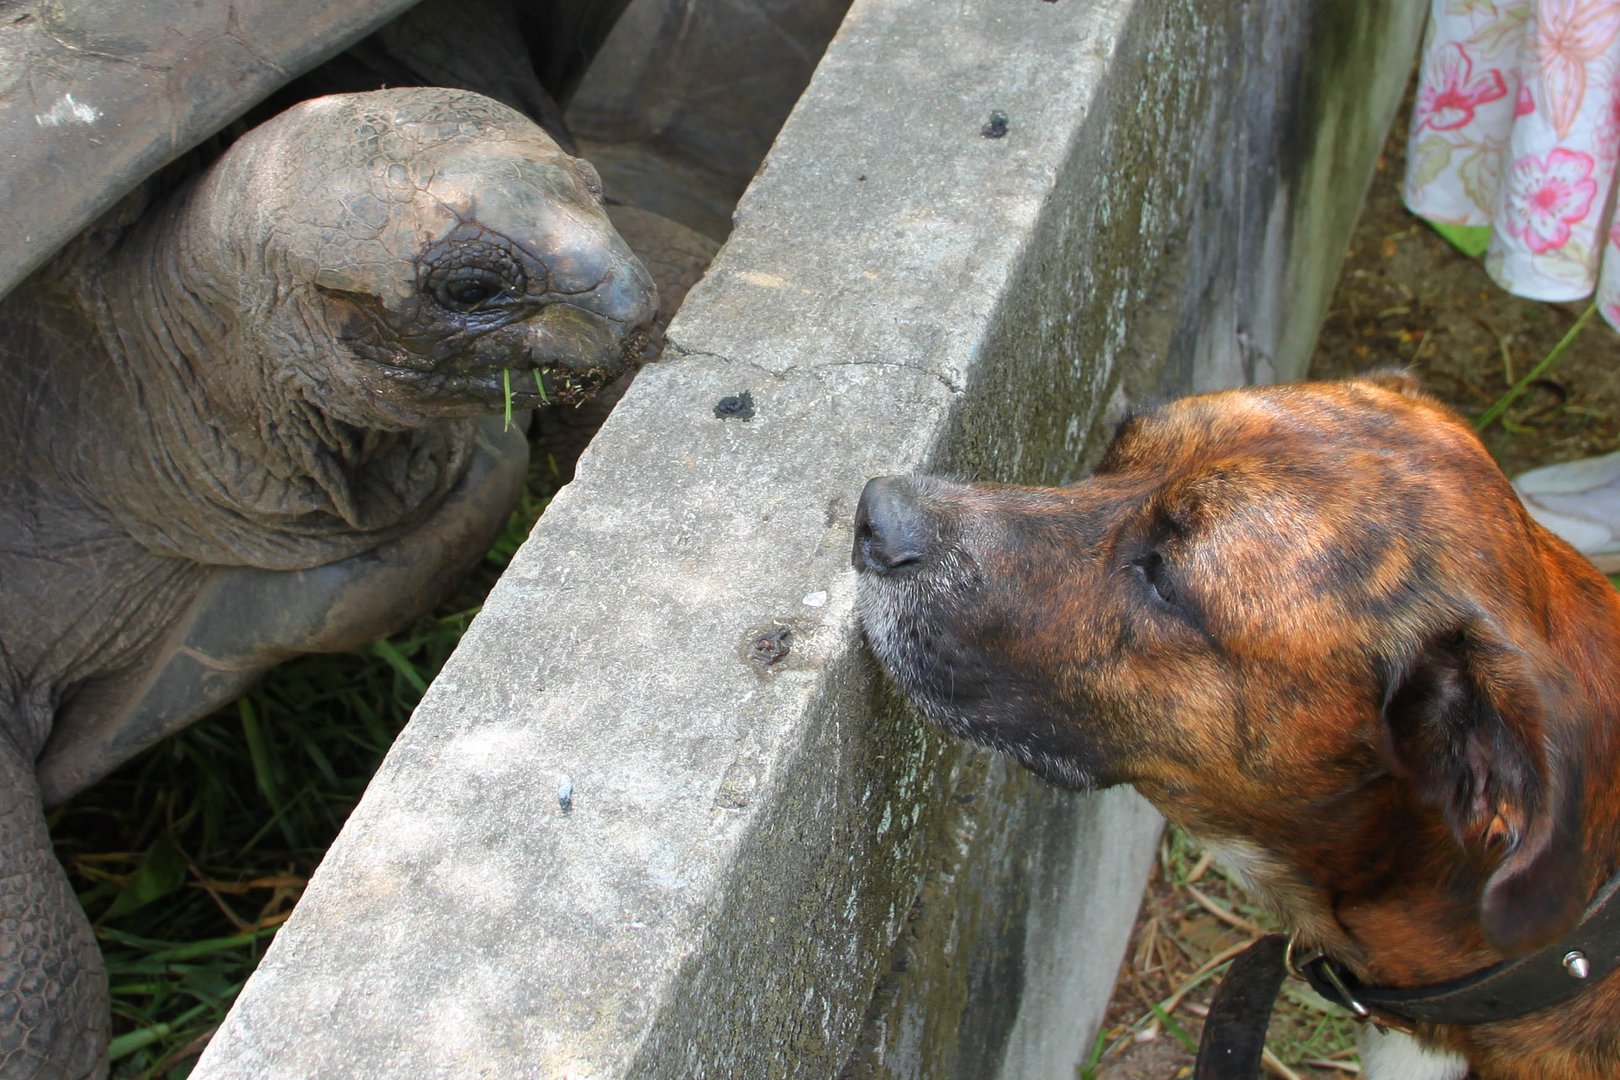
(1474, 721)
(1399, 380)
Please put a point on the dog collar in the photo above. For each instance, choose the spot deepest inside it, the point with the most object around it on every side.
(1234, 1033)
(1513, 988)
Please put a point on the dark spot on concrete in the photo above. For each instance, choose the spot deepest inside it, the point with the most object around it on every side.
(735, 407)
(997, 127)
(771, 647)
(565, 794)
(737, 786)
(835, 512)
(861, 177)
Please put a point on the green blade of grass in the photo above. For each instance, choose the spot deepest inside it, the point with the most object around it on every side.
(165, 952)
(540, 385)
(1088, 1069)
(398, 661)
(506, 384)
(1518, 388)
(161, 871)
(131, 1041)
(126, 1044)
(259, 751)
(1175, 1029)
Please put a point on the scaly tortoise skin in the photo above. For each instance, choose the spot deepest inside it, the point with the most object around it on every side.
(259, 420)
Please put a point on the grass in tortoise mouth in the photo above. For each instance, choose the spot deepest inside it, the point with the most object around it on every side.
(506, 386)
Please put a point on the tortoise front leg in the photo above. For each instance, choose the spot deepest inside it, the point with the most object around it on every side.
(54, 1017)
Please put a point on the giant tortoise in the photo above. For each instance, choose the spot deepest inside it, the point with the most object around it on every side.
(250, 406)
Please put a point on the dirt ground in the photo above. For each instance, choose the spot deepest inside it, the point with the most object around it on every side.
(1406, 298)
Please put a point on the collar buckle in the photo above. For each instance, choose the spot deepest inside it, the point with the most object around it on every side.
(1323, 975)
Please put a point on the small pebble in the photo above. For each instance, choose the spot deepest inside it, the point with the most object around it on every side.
(815, 599)
(565, 794)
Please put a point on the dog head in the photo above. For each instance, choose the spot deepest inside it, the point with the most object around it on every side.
(1263, 606)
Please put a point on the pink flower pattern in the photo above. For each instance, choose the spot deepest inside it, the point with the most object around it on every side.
(1569, 35)
(1517, 126)
(1449, 102)
(1546, 197)
(1607, 138)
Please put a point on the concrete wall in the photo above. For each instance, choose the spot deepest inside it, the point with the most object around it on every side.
(764, 866)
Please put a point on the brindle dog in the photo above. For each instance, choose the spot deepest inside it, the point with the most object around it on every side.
(1315, 627)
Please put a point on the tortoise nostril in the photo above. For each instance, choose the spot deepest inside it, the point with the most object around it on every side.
(890, 526)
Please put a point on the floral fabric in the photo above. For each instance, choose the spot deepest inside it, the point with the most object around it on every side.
(1517, 126)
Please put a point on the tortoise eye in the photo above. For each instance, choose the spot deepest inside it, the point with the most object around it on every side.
(469, 289)
(471, 275)
(468, 293)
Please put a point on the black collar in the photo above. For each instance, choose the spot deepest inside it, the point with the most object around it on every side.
(1525, 984)
(1234, 1034)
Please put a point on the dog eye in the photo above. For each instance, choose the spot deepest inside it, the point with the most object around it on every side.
(1156, 576)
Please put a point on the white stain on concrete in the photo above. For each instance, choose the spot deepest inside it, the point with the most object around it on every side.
(68, 111)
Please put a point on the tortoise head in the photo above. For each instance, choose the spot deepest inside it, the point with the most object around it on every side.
(416, 254)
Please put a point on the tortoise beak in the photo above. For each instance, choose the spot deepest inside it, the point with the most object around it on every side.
(607, 327)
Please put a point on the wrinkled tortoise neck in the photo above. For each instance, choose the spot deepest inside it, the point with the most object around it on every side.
(233, 461)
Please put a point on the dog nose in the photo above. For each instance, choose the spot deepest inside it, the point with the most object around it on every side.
(891, 527)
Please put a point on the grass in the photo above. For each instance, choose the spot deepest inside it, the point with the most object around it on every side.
(506, 388)
(1195, 920)
(190, 856)
(1503, 403)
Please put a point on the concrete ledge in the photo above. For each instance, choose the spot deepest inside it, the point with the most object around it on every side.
(761, 865)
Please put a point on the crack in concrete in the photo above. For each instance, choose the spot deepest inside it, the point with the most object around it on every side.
(695, 354)
(953, 386)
